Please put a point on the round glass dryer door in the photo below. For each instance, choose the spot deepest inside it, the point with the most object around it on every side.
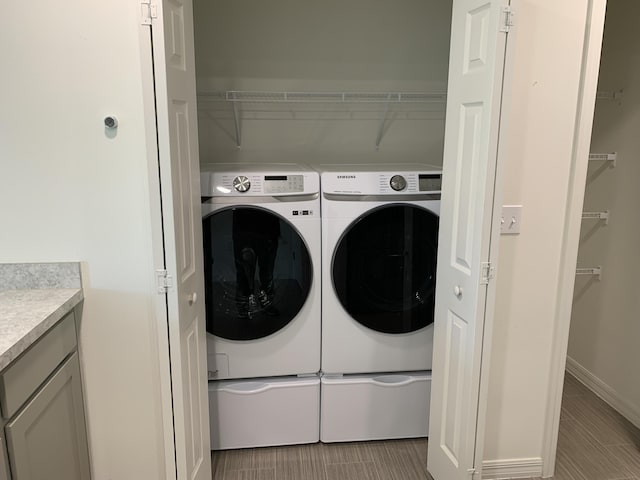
(384, 268)
(258, 272)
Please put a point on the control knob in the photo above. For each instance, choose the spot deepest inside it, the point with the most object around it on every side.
(398, 183)
(241, 184)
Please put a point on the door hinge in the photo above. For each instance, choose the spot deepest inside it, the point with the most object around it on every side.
(164, 281)
(507, 19)
(148, 11)
(487, 272)
(474, 474)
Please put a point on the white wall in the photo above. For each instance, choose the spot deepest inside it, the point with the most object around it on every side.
(540, 121)
(70, 193)
(604, 325)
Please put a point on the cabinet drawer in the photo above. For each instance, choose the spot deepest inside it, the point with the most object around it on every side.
(23, 377)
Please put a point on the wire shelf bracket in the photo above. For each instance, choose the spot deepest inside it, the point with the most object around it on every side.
(382, 122)
(236, 120)
(604, 157)
(615, 95)
(597, 216)
(592, 271)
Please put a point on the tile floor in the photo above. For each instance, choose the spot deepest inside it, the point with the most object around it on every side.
(399, 459)
(595, 443)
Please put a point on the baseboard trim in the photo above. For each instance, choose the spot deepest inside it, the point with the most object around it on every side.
(604, 391)
(512, 468)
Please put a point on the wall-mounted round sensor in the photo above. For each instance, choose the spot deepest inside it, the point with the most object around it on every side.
(110, 122)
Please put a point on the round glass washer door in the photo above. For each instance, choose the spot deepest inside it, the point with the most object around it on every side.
(258, 272)
(384, 268)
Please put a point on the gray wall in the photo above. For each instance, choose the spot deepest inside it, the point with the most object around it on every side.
(331, 46)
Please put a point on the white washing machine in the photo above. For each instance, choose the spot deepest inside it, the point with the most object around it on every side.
(379, 234)
(261, 229)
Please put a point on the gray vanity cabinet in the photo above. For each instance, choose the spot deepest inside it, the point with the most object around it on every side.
(4, 462)
(42, 402)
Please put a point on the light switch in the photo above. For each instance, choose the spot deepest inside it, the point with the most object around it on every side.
(511, 219)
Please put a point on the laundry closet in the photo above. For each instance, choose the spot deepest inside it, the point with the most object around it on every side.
(603, 344)
(344, 86)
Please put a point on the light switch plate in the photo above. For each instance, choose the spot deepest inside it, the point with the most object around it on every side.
(511, 219)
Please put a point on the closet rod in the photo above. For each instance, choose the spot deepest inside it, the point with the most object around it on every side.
(593, 271)
(604, 157)
(597, 216)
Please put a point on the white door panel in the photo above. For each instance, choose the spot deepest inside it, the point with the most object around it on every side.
(173, 48)
(473, 114)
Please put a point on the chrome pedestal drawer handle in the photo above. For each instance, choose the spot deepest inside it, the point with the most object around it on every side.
(192, 298)
(457, 291)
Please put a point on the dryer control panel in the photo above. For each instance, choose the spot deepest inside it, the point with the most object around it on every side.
(381, 183)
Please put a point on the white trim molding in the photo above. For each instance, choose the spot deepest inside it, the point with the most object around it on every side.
(604, 391)
(573, 220)
(511, 468)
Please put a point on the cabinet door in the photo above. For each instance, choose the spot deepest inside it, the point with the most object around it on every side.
(47, 439)
(4, 464)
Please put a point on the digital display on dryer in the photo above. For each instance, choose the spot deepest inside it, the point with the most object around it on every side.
(430, 182)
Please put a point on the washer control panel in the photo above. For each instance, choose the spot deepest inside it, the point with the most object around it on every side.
(381, 183)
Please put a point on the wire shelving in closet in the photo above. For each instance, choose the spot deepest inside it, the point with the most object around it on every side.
(592, 271)
(604, 157)
(382, 106)
(606, 95)
(602, 216)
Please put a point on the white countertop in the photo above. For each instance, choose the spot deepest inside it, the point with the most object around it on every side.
(25, 315)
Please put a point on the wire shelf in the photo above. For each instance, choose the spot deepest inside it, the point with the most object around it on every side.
(597, 216)
(591, 271)
(255, 104)
(604, 157)
(322, 97)
(615, 95)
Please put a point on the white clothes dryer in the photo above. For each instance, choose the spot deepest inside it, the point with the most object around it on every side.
(261, 233)
(380, 234)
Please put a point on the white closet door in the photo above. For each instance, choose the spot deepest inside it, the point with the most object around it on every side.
(471, 140)
(173, 58)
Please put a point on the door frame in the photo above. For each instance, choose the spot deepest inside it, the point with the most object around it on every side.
(594, 29)
(160, 302)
